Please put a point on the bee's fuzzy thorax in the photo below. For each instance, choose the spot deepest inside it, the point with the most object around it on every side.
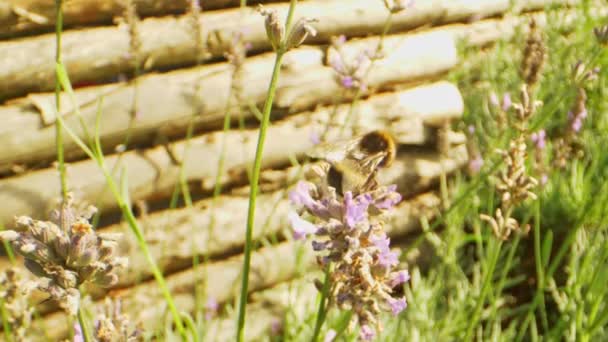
(377, 142)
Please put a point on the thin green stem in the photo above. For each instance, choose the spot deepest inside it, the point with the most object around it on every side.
(484, 289)
(58, 125)
(255, 177)
(505, 273)
(84, 326)
(5, 324)
(322, 312)
(96, 154)
(538, 262)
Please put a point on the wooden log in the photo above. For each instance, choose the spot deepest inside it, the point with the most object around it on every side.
(19, 17)
(270, 265)
(27, 65)
(167, 101)
(153, 173)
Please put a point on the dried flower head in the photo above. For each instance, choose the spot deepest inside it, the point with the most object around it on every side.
(349, 235)
(132, 20)
(534, 56)
(601, 34)
(396, 6)
(65, 254)
(112, 325)
(275, 29)
(15, 290)
(300, 31)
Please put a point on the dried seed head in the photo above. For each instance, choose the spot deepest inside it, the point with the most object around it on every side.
(534, 56)
(396, 6)
(601, 34)
(300, 31)
(64, 258)
(275, 29)
(15, 289)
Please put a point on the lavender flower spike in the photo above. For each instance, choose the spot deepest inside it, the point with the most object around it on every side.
(348, 233)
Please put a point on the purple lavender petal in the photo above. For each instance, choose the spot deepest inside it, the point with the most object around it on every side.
(388, 201)
(301, 228)
(330, 336)
(506, 102)
(583, 113)
(367, 333)
(355, 210)
(336, 63)
(315, 138)
(78, 337)
(388, 259)
(301, 196)
(577, 124)
(475, 164)
(211, 307)
(544, 179)
(399, 278)
(382, 242)
(397, 305)
(347, 82)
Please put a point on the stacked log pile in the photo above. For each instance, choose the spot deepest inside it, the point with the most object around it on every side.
(176, 89)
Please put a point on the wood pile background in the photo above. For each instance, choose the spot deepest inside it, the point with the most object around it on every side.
(406, 94)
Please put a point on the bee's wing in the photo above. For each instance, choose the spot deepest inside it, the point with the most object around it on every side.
(334, 152)
(370, 163)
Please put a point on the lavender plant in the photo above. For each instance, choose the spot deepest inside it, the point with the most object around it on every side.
(15, 290)
(350, 239)
(65, 253)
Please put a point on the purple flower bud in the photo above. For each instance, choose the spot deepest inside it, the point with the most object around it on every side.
(583, 113)
(382, 242)
(506, 102)
(211, 308)
(301, 228)
(367, 333)
(577, 124)
(544, 179)
(538, 138)
(329, 337)
(315, 139)
(475, 164)
(389, 200)
(78, 336)
(347, 82)
(399, 278)
(301, 195)
(471, 129)
(397, 305)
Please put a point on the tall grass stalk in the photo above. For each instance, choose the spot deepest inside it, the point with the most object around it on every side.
(255, 176)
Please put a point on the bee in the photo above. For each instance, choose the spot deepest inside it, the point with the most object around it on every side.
(353, 163)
